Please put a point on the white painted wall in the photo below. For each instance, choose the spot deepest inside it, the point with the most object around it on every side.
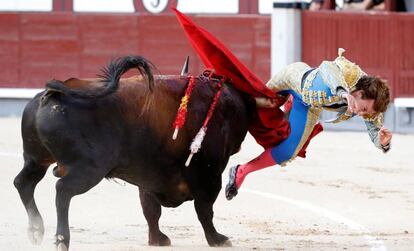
(126, 6)
(209, 6)
(285, 38)
(121, 6)
(26, 5)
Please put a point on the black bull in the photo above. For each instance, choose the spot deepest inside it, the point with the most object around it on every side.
(122, 128)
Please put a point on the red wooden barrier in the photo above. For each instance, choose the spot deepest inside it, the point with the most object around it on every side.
(381, 43)
(35, 47)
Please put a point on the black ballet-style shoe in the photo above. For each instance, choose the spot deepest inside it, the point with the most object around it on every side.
(231, 188)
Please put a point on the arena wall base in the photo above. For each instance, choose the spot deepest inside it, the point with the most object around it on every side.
(12, 107)
(399, 118)
(404, 115)
(13, 100)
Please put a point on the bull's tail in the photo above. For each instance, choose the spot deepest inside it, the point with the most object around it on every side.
(110, 77)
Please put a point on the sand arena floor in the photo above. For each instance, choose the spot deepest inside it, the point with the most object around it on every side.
(346, 195)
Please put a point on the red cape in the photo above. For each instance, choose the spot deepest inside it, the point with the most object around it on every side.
(270, 127)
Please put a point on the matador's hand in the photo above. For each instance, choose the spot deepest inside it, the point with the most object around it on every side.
(264, 102)
(384, 136)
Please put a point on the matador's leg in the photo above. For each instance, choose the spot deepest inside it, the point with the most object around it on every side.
(302, 119)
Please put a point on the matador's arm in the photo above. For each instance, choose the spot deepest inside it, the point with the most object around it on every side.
(373, 128)
(289, 78)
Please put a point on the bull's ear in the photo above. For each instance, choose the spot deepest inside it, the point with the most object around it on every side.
(184, 71)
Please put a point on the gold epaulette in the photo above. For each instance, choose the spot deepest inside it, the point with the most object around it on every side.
(377, 119)
(351, 71)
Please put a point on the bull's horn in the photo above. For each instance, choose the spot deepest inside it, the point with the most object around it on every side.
(184, 71)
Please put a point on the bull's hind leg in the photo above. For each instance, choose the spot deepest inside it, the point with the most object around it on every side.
(79, 179)
(152, 212)
(26, 182)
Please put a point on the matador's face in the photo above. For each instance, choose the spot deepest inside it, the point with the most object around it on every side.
(363, 107)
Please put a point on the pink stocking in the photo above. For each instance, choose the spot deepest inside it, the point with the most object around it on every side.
(262, 161)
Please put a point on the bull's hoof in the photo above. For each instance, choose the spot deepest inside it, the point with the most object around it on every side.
(226, 243)
(160, 240)
(220, 241)
(35, 234)
(60, 245)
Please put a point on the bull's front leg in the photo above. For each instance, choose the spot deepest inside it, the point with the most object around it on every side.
(204, 208)
(152, 212)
